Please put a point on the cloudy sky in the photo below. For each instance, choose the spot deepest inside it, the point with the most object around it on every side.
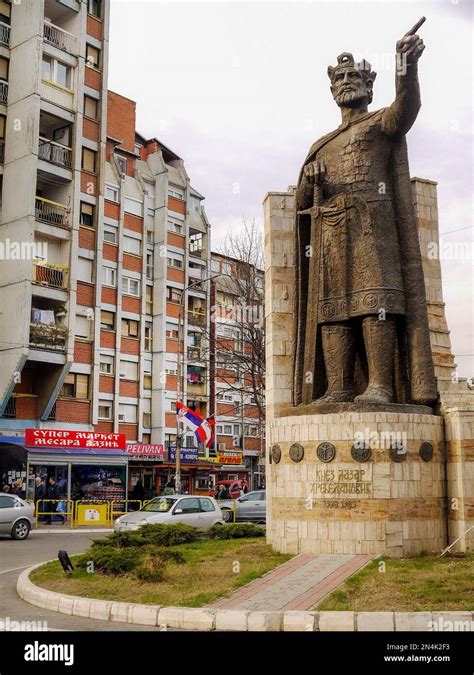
(240, 91)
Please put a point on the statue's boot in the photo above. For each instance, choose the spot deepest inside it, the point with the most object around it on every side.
(379, 340)
(339, 357)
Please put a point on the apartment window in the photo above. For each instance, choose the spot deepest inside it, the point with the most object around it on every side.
(110, 234)
(150, 237)
(82, 327)
(75, 386)
(4, 68)
(176, 193)
(195, 243)
(174, 226)
(175, 262)
(149, 265)
(147, 374)
(109, 276)
(173, 294)
(128, 413)
(171, 331)
(112, 193)
(107, 320)
(92, 56)
(227, 429)
(106, 364)
(147, 413)
(226, 268)
(133, 206)
(148, 335)
(56, 71)
(94, 7)
(215, 265)
(129, 328)
(146, 439)
(132, 245)
(5, 11)
(236, 429)
(130, 286)
(122, 162)
(84, 270)
(129, 370)
(149, 300)
(86, 216)
(105, 410)
(88, 160)
(91, 107)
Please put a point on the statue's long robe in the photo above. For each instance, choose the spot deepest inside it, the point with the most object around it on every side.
(367, 255)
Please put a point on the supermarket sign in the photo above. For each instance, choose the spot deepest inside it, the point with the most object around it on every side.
(146, 450)
(61, 438)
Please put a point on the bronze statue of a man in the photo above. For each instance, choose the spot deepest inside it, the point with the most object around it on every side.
(361, 326)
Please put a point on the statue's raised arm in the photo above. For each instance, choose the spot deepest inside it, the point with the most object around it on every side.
(400, 116)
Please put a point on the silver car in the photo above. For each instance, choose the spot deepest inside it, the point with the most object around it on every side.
(200, 512)
(249, 507)
(17, 517)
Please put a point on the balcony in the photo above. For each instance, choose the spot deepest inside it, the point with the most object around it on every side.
(58, 95)
(53, 213)
(195, 354)
(4, 34)
(55, 153)
(60, 38)
(48, 336)
(49, 274)
(197, 251)
(197, 318)
(3, 91)
(10, 408)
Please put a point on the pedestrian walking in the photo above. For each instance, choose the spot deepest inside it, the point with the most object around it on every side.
(17, 488)
(223, 493)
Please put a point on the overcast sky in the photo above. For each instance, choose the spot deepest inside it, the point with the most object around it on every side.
(240, 91)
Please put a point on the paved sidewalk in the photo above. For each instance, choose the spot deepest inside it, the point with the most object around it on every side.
(297, 584)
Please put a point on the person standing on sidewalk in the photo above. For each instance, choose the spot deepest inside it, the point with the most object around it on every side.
(40, 494)
(54, 496)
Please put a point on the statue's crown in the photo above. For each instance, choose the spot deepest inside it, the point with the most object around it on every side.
(346, 60)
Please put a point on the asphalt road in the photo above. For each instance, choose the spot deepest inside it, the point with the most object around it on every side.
(15, 556)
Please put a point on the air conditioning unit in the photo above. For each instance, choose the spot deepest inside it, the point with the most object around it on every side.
(221, 446)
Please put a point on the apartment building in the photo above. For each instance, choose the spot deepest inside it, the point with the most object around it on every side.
(237, 367)
(155, 299)
(53, 84)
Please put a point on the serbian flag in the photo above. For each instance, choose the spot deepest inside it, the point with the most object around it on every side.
(203, 428)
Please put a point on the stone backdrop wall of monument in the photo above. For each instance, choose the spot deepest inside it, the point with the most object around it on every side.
(393, 508)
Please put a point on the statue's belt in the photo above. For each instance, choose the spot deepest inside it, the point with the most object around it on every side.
(334, 212)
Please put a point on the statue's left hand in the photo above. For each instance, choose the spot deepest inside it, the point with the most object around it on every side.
(411, 44)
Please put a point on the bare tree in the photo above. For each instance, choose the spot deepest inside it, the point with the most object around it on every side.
(240, 335)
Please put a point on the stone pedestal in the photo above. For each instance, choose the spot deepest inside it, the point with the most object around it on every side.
(392, 503)
(382, 505)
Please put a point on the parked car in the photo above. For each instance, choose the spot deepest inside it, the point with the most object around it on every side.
(250, 507)
(234, 487)
(198, 511)
(17, 517)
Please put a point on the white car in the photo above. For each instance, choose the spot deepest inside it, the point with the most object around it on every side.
(200, 512)
(17, 517)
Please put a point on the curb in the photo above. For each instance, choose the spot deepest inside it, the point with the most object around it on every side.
(72, 531)
(206, 619)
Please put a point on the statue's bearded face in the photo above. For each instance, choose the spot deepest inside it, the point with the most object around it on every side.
(349, 88)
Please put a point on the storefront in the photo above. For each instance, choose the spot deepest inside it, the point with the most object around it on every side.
(145, 463)
(13, 462)
(229, 465)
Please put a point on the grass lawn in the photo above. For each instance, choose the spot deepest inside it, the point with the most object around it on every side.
(407, 585)
(213, 568)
